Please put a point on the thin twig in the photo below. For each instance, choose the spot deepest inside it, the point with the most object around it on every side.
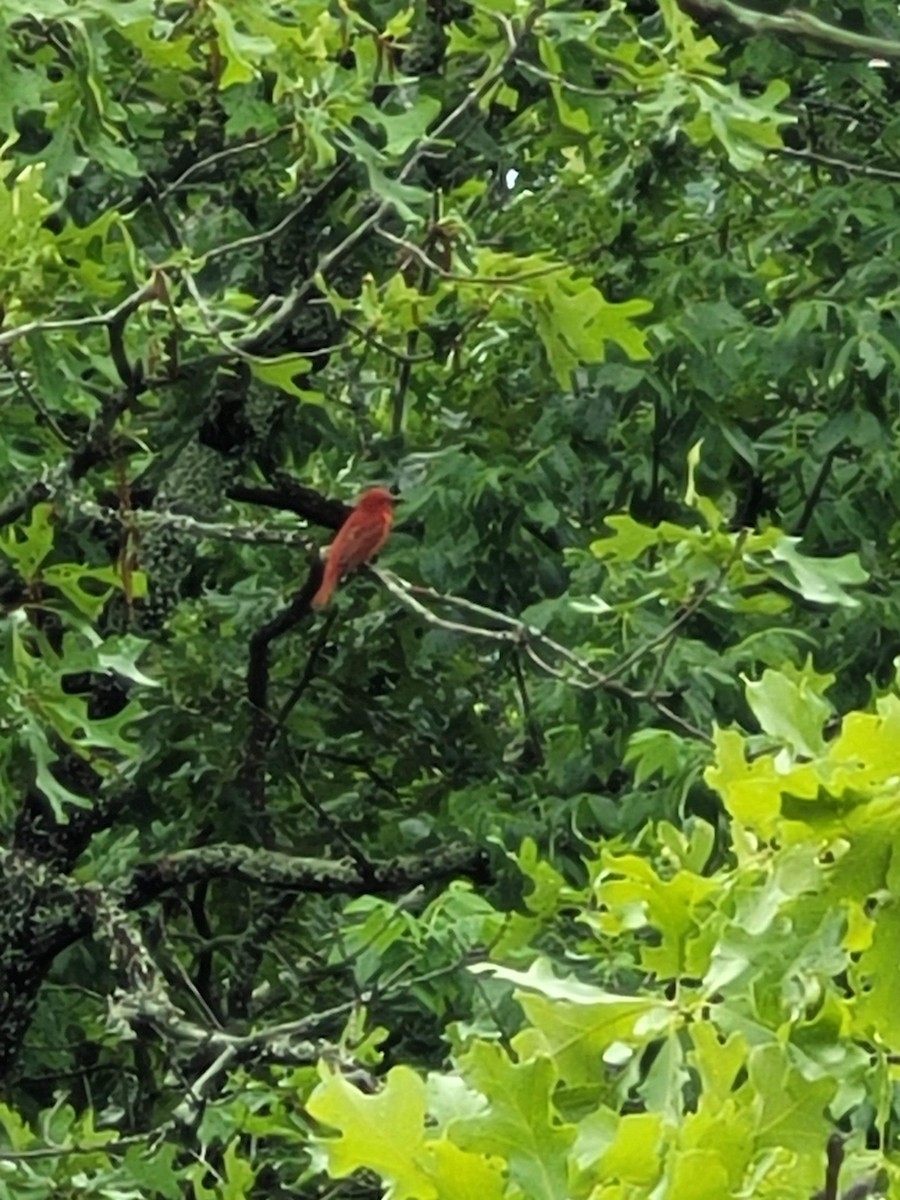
(367, 336)
(815, 492)
(579, 89)
(259, 239)
(363, 865)
(308, 672)
(528, 717)
(148, 291)
(220, 156)
(480, 280)
(701, 594)
(839, 164)
(35, 401)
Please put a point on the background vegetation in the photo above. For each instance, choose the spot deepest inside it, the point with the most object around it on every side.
(556, 859)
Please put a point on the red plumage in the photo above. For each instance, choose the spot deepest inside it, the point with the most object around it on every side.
(358, 540)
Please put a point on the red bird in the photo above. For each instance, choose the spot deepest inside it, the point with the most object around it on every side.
(358, 540)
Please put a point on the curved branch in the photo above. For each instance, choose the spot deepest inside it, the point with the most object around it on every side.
(839, 164)
(112, 317)
(793, 22)
(294, 497)
(570, 668)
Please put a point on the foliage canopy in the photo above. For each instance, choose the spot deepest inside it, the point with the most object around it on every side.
(556, 859)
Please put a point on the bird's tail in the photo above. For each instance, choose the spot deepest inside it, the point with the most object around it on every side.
(327, 586)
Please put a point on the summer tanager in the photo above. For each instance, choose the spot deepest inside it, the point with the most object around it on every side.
(358, 540)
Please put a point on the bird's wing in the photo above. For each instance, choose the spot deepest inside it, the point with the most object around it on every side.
(361, 537)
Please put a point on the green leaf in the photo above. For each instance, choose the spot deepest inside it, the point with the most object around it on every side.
(59, 796)
(791, 708)
(752, 791)
(874, 978)
(634, 1156)
(280, 373)
(821, 580)
(863, 757)
(519, 1124)
(629, 540)
(239, 1174)
(710, 513)
(747, 128)
(121, 654)
(460, 1175)
(243, 52)
(363, 1121)
(791, 1110)
(29, 546)
(576, 1024)
(404, 128)
(410, 203)
(69, 579)
(154, 1172)
(632, 895)
(575, 322)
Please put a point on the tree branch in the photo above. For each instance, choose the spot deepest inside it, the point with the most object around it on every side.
(839, 164)
(284, 872)
(576, 670)
(294, 497)
(793, 22)
(120, 312)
